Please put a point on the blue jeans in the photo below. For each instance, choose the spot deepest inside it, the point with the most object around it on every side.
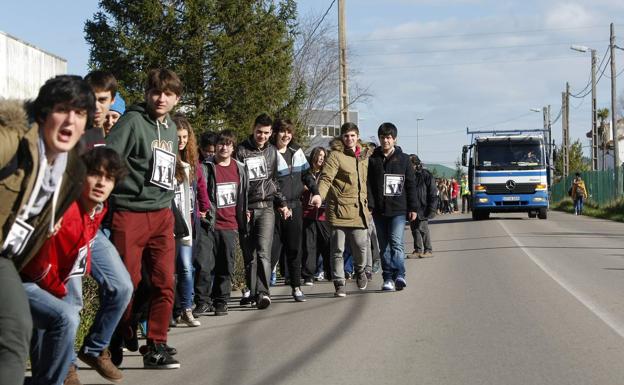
(184, 271)
(578, 205)
(390, 231)
(116, 289)
(55, 322)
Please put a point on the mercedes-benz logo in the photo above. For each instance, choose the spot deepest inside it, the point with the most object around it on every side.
(510, 184)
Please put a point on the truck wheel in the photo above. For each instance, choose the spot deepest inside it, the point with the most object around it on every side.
(485, 215)
(532, 214)
(543, 213)
(476, 215)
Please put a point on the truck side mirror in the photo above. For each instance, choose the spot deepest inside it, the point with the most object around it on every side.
(465, 156)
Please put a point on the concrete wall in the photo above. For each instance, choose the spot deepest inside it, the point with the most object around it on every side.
(24, 68)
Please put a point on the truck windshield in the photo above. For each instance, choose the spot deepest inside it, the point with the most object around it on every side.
(509, 154)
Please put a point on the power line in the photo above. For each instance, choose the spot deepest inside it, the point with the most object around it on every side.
(590, 82)
(315, 28)
(478, 34)
(470, 49)
(473, 63)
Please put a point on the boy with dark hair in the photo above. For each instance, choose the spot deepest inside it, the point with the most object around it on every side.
(142, 223)
(227, 187)
(38, 171)
(104, 86)
(260, 158)
(50, 278)
(107, 268)
(393, 192)
(343, 183)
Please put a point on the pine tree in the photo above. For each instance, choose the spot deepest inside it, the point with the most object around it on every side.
(234, 57)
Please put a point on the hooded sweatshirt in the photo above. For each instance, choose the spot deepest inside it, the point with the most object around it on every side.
(135, 137)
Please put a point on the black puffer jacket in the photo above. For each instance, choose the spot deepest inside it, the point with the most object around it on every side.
(392, 183)
(261, 164)
(426, 193)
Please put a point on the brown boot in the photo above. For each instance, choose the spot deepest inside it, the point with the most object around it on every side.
(72, 376)
(102, 364)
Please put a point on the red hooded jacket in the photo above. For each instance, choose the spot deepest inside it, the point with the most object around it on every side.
(67, 253)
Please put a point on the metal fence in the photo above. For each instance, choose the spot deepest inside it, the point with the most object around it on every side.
(600, 186)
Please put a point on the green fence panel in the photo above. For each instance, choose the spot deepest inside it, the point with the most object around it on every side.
(600, 186)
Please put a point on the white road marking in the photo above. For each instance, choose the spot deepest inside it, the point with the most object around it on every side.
(600, 312)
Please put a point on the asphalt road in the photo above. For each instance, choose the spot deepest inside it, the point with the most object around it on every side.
(510, 300)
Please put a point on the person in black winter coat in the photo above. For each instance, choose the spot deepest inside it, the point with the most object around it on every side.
(393, 200)
(427, 195)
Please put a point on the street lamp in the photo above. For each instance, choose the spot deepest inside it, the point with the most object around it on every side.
(417, 149)
(594, 129)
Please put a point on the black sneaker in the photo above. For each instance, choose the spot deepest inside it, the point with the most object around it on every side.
(203, 309)
(144, 349)
(221, 308)
(247, 299)
(298, 295)
(264, 301)
(158, 358)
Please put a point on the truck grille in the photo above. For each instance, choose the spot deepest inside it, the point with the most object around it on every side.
(500, 188)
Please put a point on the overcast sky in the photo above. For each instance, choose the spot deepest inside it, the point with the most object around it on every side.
(452, 63)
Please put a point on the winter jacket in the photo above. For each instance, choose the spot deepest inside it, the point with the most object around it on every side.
(455, 190)
(309, 211)
(578, 188)
(426, 194)
(19, 158)
(292, 178)
(67, 253)
(465, 190)
(342, 185)
(261, 166)
(391, 183)
(241, 201)
(134, 137)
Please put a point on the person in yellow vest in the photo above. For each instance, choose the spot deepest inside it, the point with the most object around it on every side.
(465, 194)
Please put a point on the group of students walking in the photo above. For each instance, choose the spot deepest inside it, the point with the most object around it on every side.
(157, 218)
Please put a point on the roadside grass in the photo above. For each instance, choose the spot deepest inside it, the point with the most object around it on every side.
(613, 211)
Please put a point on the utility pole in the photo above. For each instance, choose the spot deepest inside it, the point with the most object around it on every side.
(565, 147)
(616, 147)
(342, 63)
(594, 130)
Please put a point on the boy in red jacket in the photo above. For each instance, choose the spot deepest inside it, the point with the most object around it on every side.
(62, 259)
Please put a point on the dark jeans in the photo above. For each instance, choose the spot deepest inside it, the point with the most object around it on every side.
(315, 242)
(257, 250)
(204, 264)
(15, 325)
(224, 252)
(420, 232)
(287, 238)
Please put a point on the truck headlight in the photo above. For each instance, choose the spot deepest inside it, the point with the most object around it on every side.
(540, 186)
(539, 199)
(480, 188)
(483, 200)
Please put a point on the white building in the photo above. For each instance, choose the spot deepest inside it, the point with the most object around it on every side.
(607, 139)
(24, 68)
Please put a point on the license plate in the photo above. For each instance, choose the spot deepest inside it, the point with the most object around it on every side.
(508, 199)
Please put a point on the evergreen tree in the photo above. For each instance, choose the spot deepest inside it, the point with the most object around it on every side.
(577, 162)
(234, 57)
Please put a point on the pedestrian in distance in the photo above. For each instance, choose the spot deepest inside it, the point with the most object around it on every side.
(343, 187)
(578, 193)
(465, 194)
(143, 225)
(392, 187)
(428, 198)
(39, 167)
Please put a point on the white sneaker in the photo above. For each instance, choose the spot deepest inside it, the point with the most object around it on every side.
(388, 285)
(188, 319)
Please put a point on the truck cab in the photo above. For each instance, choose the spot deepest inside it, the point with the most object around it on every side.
(507, 173)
